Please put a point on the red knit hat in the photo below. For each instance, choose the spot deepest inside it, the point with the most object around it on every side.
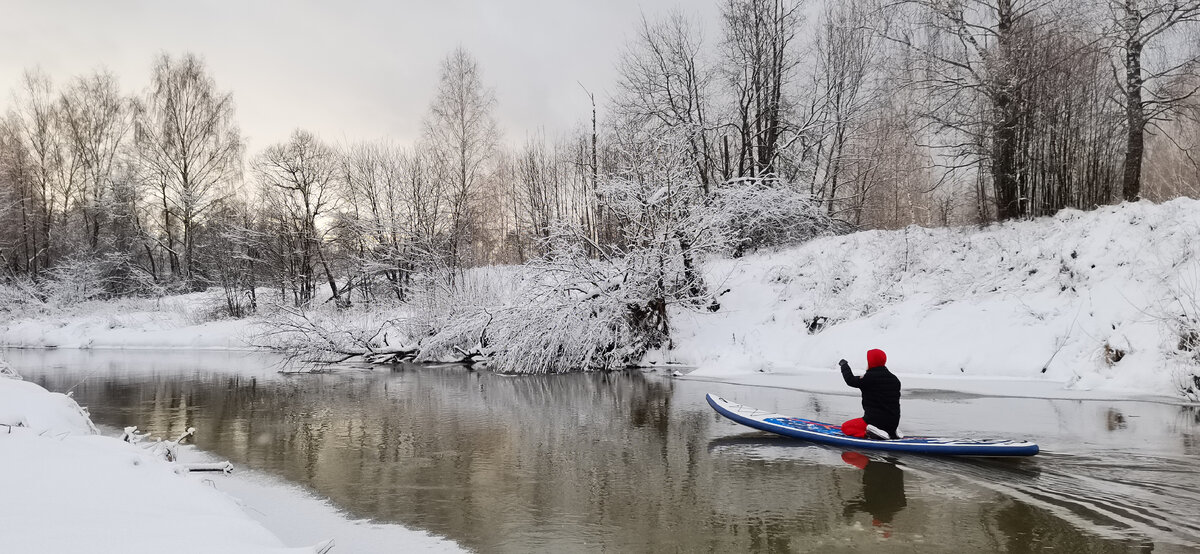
(875, 358)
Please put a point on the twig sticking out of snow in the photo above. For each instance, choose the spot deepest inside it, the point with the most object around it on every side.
(132, 436)
(7, 371)
(166, 449)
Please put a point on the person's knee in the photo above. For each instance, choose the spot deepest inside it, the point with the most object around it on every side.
(856, 427)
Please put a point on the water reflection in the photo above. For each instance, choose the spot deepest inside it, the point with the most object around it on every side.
(882, 489)
(614, 462)
(1114, 420)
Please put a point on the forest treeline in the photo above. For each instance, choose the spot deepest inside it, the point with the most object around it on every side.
(786, 120)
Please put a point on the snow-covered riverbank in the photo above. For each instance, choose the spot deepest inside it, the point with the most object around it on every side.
(183, 321)
(1106, 301)
(69, 489)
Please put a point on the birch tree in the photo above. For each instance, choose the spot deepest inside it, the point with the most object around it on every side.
(981, 61)
(1150, 93)
(190, 147)
(42, 160)
(96, 120)
(462, 136)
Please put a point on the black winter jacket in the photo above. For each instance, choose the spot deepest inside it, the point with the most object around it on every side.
(880, 397)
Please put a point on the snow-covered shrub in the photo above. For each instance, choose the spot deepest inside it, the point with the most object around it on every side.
(83, 278)
(207, 306)
(666, 221)
(327, 333)
(568, 313)
(1186, 293)
(432, 305)
(20, 297)
(387, 329)
(585, 305)
(762, 213)
(1182, 314)
(8, 372)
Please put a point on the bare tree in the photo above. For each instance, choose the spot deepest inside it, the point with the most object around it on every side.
(373, 224)
(298, 182)
(190, 146)
(982, 66)
(760, 63)
(96, 118)
(42, 159)
(1149, 92)
(665, 83)
(1172, 164)
(462, 136)
(236, 242)
(393, 219)
(17, 240)
(426, 193)
(847, 54)
(538, 195)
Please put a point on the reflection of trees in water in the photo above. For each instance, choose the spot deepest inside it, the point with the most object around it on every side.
(458, 452)
(1190, 418)
(642, 401)
(1114, 419)
(1189, 428)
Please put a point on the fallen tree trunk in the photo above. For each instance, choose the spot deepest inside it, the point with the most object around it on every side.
(223, 467)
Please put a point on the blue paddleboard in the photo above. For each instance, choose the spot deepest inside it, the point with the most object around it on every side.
(829, 433)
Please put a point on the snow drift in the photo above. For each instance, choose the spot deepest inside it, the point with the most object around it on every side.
(67, 489)
(1104, 300)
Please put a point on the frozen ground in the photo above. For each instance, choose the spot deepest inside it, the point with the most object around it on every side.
(68, 489)
(1078, 304)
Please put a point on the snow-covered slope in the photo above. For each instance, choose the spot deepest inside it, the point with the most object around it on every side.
(67, 489)
(1097, 300)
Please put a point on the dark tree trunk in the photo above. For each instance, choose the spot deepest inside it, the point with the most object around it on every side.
(1004, 153)
(1131, 182)
(1004, 126)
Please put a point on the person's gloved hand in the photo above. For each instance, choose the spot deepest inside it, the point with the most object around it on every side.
(843, 364)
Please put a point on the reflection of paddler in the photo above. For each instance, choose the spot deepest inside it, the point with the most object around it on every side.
(883, 489)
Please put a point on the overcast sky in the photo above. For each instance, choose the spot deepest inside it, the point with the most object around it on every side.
(346, 69)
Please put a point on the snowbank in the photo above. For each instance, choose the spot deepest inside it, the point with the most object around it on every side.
(33, 408)
(68, 489)
(1099, 300)
(183, 321)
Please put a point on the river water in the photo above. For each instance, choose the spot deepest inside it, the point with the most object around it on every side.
(638, 462)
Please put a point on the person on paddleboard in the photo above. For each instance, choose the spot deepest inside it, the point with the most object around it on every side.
(880, 399)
